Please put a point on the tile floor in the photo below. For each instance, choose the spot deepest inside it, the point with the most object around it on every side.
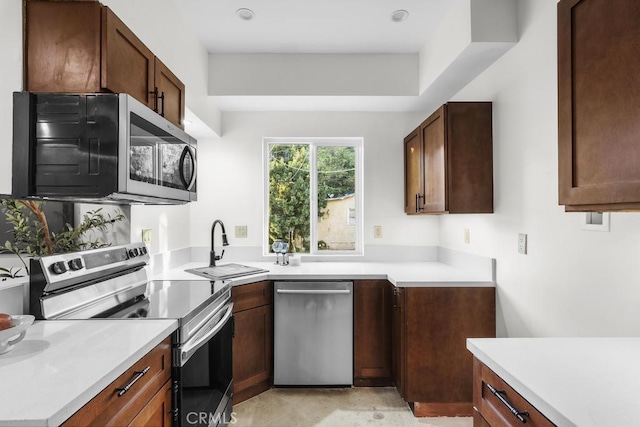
(353, 407)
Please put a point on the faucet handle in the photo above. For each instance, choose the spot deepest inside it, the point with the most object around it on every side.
(219, 257)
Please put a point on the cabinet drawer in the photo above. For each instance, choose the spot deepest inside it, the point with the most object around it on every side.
(110, 408)
(252, 295)
(496, 412)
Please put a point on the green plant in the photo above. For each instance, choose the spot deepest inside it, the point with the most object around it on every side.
(9, 273)
(32, 237)
(289, 188)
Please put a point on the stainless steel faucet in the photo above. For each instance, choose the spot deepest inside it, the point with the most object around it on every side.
(213, 257)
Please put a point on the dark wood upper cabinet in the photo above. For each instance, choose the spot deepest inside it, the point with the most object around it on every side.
(598, 105)
(449, 161)
(413, 172)
(170, 94)
(83, 47)
(127, 64)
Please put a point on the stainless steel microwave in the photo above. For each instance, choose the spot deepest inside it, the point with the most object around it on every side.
(99, 148)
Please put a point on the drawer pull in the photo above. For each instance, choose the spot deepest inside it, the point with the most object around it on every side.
(499, 394)
(139, 374)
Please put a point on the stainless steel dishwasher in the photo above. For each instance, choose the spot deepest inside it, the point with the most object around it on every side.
(313, 333)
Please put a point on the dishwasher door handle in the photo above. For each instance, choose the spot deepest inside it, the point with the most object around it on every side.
(314, 291)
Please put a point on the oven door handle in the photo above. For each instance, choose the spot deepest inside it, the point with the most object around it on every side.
(190, 348)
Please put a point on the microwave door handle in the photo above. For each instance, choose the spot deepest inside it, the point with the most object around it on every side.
(188, 185)
(189, 349)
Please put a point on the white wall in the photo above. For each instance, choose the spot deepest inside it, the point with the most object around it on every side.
(313, 74)
(231, 183)
(572, 282)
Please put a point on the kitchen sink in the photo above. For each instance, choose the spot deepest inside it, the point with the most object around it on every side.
(225, 271)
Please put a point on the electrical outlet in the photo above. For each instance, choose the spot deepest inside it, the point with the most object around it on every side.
(522, 243)
(146, 236)
(241, 231)
(377, 231)
(467, 237)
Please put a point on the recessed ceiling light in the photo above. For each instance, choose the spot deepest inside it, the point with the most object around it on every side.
(246, 14)
(399, 15)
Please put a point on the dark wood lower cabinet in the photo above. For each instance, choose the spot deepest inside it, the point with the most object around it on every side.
(398, 341)
(372, 333)
(146, 403)
(412, 337)
(433, 369)
(158, 412)
(509, 409)
(253, 340)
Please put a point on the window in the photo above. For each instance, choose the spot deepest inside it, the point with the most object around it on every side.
(313, 194)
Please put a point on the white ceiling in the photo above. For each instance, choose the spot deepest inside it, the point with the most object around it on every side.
(251, 66)
(313, 26)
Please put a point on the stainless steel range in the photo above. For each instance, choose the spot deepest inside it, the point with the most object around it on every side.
(114, 283)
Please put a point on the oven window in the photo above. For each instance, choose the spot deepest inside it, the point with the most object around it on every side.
(157, 157)
(204, 381)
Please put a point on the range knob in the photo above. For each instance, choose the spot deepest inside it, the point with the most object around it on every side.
(59, 267)
(143, 250)
(133, 252)
(76, 264)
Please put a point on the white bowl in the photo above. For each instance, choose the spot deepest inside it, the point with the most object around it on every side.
(12, 336)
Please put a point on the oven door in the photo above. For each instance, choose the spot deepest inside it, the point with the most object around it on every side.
(203, 374)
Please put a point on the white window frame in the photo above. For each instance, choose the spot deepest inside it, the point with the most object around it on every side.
(358, 144)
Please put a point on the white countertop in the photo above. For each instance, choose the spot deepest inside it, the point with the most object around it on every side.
(584, 382)
(401, 274)
(62, 364)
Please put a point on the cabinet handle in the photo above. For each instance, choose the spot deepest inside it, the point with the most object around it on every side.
(139, 374)
(161, 96)
(499, 394)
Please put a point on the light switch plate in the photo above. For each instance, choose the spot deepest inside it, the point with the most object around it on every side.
(377, 231)
(241, 231)
(467, 236)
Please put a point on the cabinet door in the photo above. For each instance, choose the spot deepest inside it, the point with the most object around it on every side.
(469, 152)
(252, 352)
(439, 369)
(62, 46)
(598, 104)
(398, 341)
(372, 332)
(158, 412)
(127, 64)
(170, 93)
(433, 132)
(413, 173)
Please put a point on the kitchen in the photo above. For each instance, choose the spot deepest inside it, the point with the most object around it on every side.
(571, 282)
